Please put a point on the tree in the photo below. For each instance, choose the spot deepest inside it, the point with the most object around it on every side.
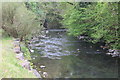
(97, 20)
(18, 21)
(48, 13)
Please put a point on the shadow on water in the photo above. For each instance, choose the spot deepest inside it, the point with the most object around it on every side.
(67, 57)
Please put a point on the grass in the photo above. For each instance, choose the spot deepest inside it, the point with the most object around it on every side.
(25, 50)
(9, 67)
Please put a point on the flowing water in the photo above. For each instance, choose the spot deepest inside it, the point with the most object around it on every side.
(65, 56)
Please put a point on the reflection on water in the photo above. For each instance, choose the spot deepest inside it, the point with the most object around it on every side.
(67, 57)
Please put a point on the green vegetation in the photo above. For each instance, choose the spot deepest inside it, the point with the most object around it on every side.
(48, 13)
(10, 66)
(97, 20)
(19, 22)
(25, 50)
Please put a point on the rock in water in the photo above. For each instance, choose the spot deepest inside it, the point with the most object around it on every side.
(31, 50)
(108, 53)
(45, 74)
(115, 53)
(110, 50)
(47, 31)
(42, 66)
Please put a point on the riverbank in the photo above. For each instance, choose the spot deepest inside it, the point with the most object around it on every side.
(111, 52)
(10, 66)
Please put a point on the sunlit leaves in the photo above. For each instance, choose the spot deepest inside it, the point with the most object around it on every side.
(97, 20)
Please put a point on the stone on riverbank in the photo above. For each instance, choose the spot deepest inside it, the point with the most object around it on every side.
(114, 53)
(17, 49)
(25, 64)
(36, 73)
(20, 56)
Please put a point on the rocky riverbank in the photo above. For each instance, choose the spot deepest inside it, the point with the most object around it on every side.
(24, 62)
(111, 52)
(114, 53)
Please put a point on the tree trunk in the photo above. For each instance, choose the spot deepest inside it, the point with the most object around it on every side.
(21, 39)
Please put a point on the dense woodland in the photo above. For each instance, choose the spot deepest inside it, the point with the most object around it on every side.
(96, 20)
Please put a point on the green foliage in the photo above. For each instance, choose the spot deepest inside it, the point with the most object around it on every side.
(10, 66)
(48, 13)
(26, 51)
(97, 20)
(18, 21)
(3, 34)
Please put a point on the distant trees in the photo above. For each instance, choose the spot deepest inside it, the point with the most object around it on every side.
(97, 20)
(17, 21)
(48, 13)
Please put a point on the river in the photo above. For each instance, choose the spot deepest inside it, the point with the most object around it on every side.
(65, 56)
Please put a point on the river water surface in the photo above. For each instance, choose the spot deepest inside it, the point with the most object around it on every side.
(65, 56)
